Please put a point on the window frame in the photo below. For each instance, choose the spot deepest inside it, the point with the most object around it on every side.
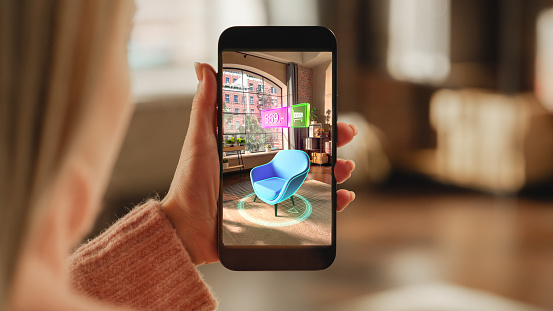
(250, 91)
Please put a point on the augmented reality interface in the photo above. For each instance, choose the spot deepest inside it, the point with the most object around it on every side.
(277, 148)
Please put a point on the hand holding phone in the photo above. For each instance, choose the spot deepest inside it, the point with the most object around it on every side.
(191, 201)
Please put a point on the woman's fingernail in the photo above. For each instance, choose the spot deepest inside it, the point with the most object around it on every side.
(352, 164)
(354, 128)
(352, 195)
(199, 72)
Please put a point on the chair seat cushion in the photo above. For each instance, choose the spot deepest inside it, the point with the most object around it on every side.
(269, 188)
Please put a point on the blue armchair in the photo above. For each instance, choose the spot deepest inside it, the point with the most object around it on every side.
(279, 179)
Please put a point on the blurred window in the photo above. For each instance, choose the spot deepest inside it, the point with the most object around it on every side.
(236, 98)
(544, 59)
(227, 98)
(418, 40)
(168, 36)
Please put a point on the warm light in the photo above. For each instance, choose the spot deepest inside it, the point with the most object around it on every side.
(480, 139)
(544, 59)
(418, 48)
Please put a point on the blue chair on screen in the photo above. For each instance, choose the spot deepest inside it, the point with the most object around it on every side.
(279, 179)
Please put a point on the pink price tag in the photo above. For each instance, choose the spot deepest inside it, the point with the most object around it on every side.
(275, 118)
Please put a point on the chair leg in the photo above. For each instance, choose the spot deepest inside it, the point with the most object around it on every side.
(292, 198)
(255, 198)
(276, 205)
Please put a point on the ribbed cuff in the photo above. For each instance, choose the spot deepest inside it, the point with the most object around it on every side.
(140, 262)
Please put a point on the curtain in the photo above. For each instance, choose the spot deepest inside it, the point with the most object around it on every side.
(294, 139)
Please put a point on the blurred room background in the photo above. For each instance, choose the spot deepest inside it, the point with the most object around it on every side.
(454, 158)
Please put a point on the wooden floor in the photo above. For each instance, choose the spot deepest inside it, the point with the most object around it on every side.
(320, 173)
(413, 233)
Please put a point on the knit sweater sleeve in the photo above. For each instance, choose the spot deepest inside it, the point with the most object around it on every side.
(140, 262)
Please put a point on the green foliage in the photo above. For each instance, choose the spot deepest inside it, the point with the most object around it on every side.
(228, 120)
(268, 146)
(314, 115)
(225, 160)
(230, 141)
(254, 142)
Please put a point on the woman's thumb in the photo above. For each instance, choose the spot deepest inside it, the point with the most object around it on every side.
(203, 114)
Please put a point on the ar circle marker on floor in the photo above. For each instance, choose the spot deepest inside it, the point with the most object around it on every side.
(277, 222)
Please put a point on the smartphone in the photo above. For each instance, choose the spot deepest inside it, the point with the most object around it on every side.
(276, 132)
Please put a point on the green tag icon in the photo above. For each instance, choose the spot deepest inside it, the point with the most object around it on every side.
(299, 115)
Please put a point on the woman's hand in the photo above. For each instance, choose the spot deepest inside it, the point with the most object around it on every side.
(191, 203)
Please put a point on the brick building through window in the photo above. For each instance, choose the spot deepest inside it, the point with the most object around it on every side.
(252, 93)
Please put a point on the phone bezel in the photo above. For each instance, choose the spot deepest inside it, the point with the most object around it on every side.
(283, 38)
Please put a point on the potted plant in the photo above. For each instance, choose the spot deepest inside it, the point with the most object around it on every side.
(241, 141)
(313, 115)
(230, 142)
(225, 163)
(268, 148)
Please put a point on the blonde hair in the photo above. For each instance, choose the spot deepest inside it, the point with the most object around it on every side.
(49, 56)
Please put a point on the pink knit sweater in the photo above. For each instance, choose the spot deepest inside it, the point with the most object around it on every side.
(140, 262)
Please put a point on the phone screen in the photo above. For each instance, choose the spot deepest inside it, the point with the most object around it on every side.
(277, 115)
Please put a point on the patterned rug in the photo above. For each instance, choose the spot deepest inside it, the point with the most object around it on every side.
(306, 222)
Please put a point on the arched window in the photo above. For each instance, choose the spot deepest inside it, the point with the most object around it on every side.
(255, 93)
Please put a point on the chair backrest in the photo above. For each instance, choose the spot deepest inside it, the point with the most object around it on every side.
(288, 163)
